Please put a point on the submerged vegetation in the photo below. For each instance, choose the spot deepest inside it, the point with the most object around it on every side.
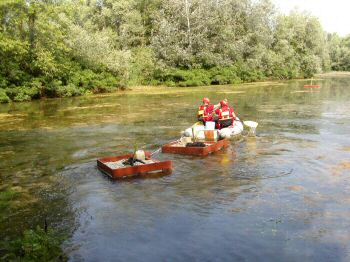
(68, 48)
(41, 242)
(5, 198)
(36, 245)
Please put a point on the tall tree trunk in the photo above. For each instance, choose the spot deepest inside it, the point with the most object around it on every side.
(187, 12)
(31, 25)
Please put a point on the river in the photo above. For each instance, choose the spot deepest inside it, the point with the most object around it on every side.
(280, 196)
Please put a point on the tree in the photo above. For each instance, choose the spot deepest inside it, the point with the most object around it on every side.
(68, 47)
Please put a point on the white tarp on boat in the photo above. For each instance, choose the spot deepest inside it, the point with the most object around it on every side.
(198, 130)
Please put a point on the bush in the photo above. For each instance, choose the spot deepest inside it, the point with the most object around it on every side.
(280, 72)
(78, 83)
(142, 67)
(223, 76)
(249, 74)
(202, 77)
(21, 97)
(156, 82)
(69, 90)
(52, 88)
(106, 82)
(83, 78)
(95, 82)
(180, 77)
(3, 96)
(3, 82)
(35, 88)
(22, 93)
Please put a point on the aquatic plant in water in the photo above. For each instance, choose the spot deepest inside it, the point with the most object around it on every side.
(35, 245)
(5, 198)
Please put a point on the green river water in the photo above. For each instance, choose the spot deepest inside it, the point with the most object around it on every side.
(280, 196)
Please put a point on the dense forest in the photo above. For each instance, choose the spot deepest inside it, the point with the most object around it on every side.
(59, 48)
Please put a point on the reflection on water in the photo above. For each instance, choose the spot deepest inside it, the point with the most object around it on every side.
(282, 195)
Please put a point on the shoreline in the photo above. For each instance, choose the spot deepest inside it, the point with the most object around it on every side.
(144, 88)
(334, 73)
(161, 89)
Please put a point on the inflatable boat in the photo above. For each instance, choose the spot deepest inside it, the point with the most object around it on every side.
(198, 130)
(312, 86)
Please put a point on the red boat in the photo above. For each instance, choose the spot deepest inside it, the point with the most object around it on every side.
(177, 147)
(113, 167)
(312, 86)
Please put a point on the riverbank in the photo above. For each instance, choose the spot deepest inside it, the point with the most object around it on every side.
(334, 74)
(24, 96)
(163, 89)
(168, 80)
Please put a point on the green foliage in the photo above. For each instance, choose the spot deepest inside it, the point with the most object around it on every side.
(142, 68)
(70, 48)
(36, 245)
(178, 77)
(224, 76)
(22, 93)
(21, 96)
(3, 96)
(69, 90)
(6, 197)
(95, 82)
(79, 83)
(339, 52)
(215, 76)
(194, 77)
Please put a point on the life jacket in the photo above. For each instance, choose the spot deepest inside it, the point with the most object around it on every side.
(225, 113)
(225, 116)
(207, 116)
(201, 110)
(207, 112)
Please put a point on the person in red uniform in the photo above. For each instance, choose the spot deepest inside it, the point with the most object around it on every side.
(225, 115)
(206, 110)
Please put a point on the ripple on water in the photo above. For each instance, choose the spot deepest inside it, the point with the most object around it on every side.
(282, 195)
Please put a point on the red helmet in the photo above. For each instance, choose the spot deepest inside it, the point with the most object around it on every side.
(223, 102)
(206, 101)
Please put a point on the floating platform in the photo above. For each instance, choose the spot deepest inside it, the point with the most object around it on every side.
(113, 167)
(312, 86)
(177, 147)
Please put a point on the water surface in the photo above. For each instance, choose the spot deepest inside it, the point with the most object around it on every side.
(282, 195)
